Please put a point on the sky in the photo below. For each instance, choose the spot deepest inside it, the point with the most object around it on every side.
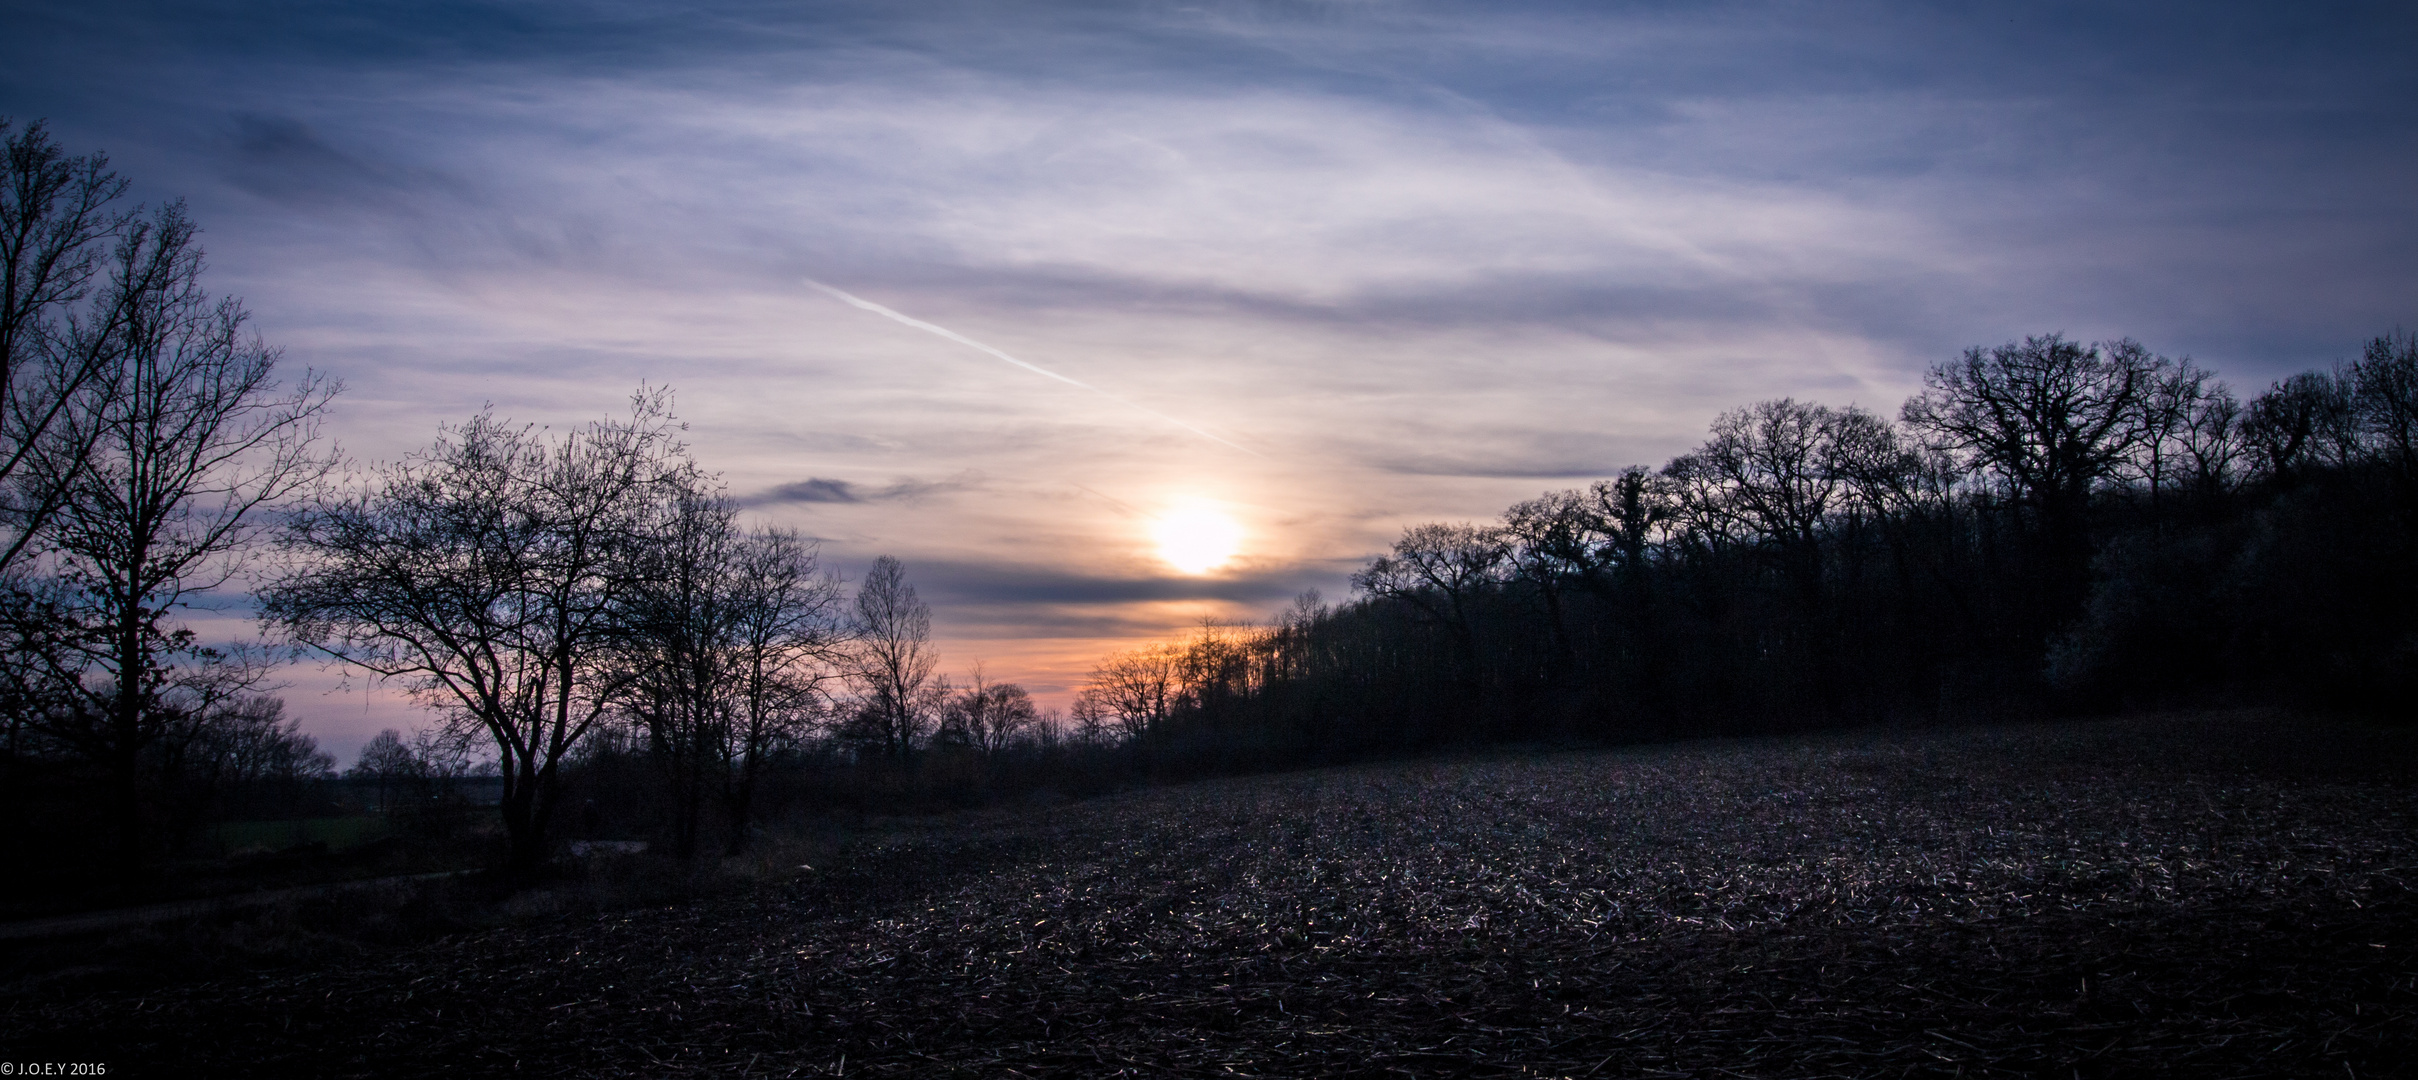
(1010, 291)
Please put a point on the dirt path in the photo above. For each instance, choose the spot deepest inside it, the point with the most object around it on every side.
(202, 907)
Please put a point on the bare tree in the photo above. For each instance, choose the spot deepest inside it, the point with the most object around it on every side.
(246, 759)
(734, 634)
(988, 716)
(1554, 540)
(169, 456)
(1217, 668)
(2187, 432)
(1088, 722)
(2052, 419)
(491, 574)
(2384, 387)
(387, 763)
(55, 214)
(1637, 512)
(1135, 691)
(1555, 535)
(417, 776)
(2211, 444)
(1773, 474)
(894, 661)
(2308, 421)
(1439, 570)
(789, 642)
(680, 617)
(1772, 463)
(1611, 527)
(1603, 538)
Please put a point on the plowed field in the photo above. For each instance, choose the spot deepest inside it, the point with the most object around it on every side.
(2197, 896)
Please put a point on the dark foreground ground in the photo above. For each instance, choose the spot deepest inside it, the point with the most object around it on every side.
(2188, 896)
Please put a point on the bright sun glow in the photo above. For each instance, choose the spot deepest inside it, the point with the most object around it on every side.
(1197, 539)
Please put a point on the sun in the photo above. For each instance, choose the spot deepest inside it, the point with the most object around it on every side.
(1196, 538)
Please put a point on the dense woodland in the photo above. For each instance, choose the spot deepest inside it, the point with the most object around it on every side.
(598, 633)
(2050, 526)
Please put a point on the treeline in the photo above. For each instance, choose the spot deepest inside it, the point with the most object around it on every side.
(589, 610)
(2048, 526)
(585, 602)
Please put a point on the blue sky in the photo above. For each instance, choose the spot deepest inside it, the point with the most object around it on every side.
(1402, 261)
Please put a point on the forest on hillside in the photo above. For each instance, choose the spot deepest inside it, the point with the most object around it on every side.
(2049, 527)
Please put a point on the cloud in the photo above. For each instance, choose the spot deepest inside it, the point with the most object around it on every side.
(1590, 469)
(281, 159)
(1012, 601)
(1429, 256)
(820, 489)
(812, 490)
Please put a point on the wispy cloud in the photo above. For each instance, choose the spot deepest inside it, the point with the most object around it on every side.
(1442, 254)
(819, 489)
(944, 332)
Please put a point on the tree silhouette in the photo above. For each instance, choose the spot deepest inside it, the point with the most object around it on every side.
(733, 634)
(492, 574)
(167, 458)
(894, 661)
(55, 215)
(2051, 419)
(1440, 571)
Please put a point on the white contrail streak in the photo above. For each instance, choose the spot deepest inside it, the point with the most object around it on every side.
(855, 301)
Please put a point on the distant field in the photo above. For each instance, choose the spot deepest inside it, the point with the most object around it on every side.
(337, 833)
(2171, 896)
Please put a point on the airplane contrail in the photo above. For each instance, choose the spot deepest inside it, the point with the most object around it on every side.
(855, 301)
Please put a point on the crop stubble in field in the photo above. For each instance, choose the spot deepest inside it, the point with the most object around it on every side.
(2194, 896)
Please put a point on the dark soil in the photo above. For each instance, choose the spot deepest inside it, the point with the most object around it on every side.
(2196, 896)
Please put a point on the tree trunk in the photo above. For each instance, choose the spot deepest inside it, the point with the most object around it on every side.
(126, 738)
(524, 825)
